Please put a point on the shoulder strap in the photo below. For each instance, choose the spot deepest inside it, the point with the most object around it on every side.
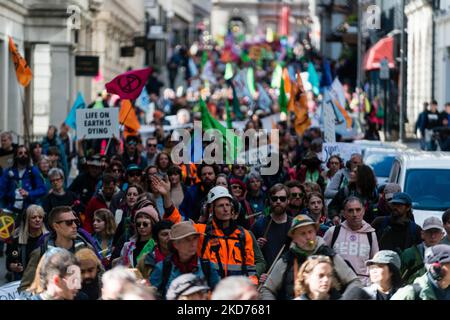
(369, 238)
(340, 181)
(206, 238)
(206, 268)
(336, 231)
(242, 246)
(166, 270)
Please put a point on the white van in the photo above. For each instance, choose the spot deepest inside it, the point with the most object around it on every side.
(425, 176)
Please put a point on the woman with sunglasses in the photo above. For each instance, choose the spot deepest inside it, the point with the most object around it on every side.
(245, 212)
(24, 241)
(142, 242)
(58, 195)
(104, 230)
(316, 280)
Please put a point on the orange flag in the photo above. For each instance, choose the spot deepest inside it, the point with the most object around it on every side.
(23, 71)
(287, 81)
(300, 107)
(127, 117)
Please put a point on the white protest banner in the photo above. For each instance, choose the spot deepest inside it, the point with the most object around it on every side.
(344, 150)
(98, 123)
(329, 119)
(9, 292)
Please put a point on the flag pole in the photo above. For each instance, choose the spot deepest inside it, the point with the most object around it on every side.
(120, 129)
(25, 118)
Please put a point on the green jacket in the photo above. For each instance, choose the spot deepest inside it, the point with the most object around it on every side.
(412, 264)
(408, 292)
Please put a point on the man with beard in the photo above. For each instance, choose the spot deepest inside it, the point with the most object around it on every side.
(195, 196)
(271, 231)
(21, 185)
(102, 200)
(297, 198)
(398, 231)
(7, 150)
(91, 273)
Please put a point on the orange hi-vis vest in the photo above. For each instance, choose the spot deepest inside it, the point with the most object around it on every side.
(224, 252)
(189, 174)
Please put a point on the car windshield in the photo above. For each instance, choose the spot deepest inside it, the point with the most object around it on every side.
(429, 188)
(380, 163)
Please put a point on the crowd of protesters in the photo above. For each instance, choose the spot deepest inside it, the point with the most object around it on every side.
(132, 224)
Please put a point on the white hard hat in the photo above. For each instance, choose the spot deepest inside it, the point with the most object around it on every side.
(217, 193)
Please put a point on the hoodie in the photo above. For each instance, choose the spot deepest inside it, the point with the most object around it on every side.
(354, 247)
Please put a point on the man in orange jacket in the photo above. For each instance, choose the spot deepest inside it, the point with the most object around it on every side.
(228, 246)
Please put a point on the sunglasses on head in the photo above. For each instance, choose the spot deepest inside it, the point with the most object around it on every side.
(142, 224)
(275, 198)
(70, 222)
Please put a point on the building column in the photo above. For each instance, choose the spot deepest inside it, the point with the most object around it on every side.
(61, 72)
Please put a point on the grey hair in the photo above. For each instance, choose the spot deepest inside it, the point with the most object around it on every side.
(56, 171)
(353, 199)
(118, 278)
(231, 288)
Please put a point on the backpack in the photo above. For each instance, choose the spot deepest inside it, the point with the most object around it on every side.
(167, 270)
(241, 238)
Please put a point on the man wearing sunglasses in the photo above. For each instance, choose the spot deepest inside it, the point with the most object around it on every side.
(64, 234)
(151, 147)
(131, 154)
(271, 231)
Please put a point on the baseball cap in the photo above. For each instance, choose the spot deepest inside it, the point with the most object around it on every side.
(182, 230)
(437, 254)
(386, 257)
(433, 223)
(133, 167)
(390, 189)
(184, 285)
(300, 221)
(401, 198)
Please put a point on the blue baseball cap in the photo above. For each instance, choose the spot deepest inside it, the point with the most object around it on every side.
(401, 198)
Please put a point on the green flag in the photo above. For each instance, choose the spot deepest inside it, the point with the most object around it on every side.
(251, 81)
(282, 98)
(276, 77)
(232, 143)
(228, 71)
(227, 108)
(236, 105)
(204, 58)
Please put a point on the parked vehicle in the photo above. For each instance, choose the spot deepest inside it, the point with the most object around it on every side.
(425, 176)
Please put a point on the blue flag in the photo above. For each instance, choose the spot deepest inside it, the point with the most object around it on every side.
(327, 77)
(143, 101)
(71, 119)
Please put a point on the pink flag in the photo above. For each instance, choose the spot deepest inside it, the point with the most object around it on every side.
(129, 85)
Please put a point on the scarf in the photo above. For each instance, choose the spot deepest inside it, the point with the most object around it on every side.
(188, 267)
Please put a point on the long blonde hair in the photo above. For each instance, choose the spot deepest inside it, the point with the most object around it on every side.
(23, 232)
(300, 286)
